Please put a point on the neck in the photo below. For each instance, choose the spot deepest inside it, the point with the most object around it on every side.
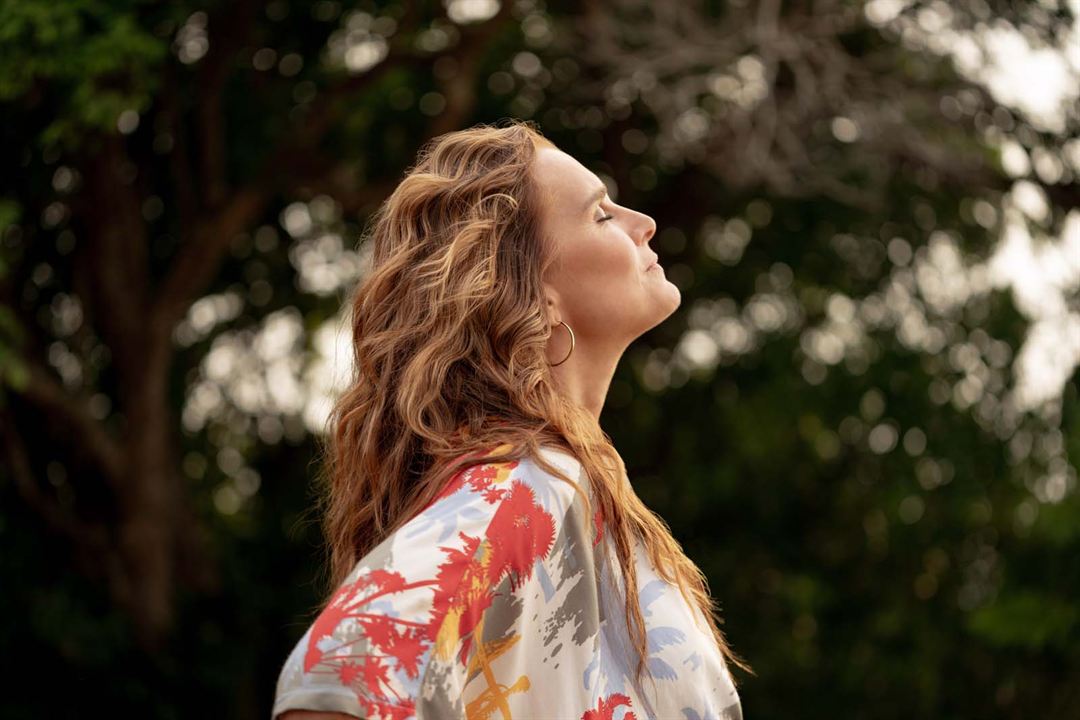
(586, 375)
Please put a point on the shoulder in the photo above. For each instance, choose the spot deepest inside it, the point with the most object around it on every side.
(555, 471)
(398, 632)
(553, 479)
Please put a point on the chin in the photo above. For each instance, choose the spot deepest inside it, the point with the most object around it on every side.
(663, 307)
(674, 294)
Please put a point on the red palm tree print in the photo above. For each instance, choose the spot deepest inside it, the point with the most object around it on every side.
(519, 533)
(605, 708)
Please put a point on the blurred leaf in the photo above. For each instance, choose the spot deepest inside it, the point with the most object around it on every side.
(1026, 619)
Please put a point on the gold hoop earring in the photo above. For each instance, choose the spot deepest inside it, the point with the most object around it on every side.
(571, 344)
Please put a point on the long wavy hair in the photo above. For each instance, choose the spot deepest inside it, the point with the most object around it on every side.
(449, 333)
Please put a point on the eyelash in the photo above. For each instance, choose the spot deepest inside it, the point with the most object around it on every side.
(606, 217)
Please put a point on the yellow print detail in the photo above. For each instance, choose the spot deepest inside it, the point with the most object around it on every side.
(494, 696)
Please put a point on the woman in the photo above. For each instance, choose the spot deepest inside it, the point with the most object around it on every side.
(481, 527)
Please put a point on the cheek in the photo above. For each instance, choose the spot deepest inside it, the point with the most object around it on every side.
(602, 275)
(605, 258)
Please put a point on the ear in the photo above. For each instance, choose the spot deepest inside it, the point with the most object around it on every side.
(551, 306)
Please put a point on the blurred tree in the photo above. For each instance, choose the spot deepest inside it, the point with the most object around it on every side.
(141, 219)
(833, 183)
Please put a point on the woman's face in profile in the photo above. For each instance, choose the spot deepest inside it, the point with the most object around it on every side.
(601, 278)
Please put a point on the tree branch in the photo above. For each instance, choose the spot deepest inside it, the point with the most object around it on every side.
(179, 166)
(58, 518)
(91, 542)
(229, 31)
(86, 433)
(116, 258)
(199, 260)
(328, 106)
(290, 167)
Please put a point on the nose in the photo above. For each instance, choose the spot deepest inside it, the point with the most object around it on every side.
(649, 225)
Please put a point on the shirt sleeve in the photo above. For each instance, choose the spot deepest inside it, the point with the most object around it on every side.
(394, 642)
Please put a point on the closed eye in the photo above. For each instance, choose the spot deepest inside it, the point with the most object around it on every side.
(606, 217)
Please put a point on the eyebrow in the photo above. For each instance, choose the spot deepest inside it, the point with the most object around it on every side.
(596, 195)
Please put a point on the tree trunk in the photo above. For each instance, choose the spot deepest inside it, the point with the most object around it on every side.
(147, 529)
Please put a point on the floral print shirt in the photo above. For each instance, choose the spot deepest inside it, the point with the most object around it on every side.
(499, 600)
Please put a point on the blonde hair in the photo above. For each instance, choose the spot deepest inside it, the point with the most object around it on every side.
(449, 336)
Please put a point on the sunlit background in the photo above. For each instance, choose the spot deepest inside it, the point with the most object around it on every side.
(859, 422)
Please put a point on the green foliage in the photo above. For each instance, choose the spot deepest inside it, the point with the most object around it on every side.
(877, 549)
(1057, 526)
(97, 58)
(1028, 620)
(10, 213)
(14, 373)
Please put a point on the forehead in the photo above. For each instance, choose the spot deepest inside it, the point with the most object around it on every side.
(562, 177)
